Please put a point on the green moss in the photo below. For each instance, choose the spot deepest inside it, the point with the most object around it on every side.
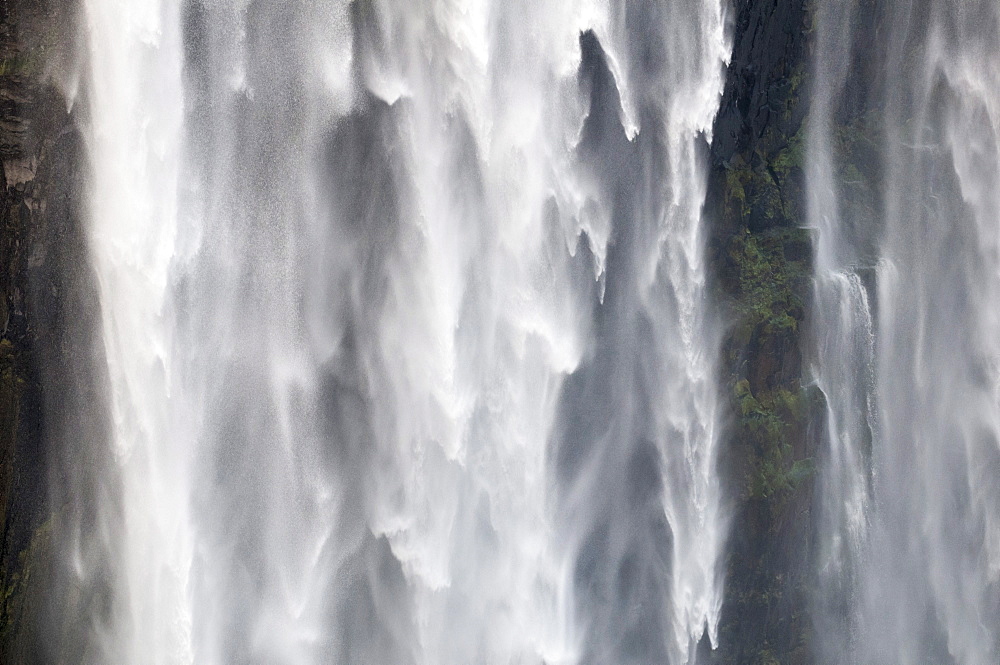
(801, 470)
(26, 64)
(764, 260)
(768, 284)
(736, 196)
(20, 592)
(768, 421)
(856, 154)
(10, 398)
(766, 657)
(791, 156)
(767, 188)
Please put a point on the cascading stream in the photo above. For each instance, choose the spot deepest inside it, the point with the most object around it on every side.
(924, 575)
(843, 332)
(135, 147)
(404, 308)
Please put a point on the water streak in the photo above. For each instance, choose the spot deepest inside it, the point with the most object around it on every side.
(927, 574)
(406, 320)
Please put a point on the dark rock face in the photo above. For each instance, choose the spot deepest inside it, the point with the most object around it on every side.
(762, 259)
(763, 266)
(42, 265)
(768, 64)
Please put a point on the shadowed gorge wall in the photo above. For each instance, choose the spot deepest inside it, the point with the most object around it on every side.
(47, 307)
(762, 263)
(905, 167)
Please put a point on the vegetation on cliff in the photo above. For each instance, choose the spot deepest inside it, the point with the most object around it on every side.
(762, 258)
(762, 255)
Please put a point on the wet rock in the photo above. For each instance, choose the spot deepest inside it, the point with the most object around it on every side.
(762, 262)
(37, 170)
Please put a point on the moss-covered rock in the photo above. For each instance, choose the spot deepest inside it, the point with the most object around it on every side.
(10, 390)
(763, 262)
(769, 421)
(24, 596)
(762, 258)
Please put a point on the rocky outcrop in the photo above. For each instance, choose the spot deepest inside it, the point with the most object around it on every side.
(762, 256)
(762, 259)
(41, 249)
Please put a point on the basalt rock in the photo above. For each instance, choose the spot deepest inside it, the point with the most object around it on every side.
(762, 264)
(41, 252)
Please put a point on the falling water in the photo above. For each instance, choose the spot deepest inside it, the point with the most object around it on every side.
(927, 556)
(405, 319)
(843, 335)
(135, 146)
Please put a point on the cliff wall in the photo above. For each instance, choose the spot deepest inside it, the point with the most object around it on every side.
(762, 261)
(42, 257)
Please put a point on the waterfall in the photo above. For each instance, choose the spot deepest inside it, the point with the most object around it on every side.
(410, 351)
(908, 332)
(135, 148)
(843, 331)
